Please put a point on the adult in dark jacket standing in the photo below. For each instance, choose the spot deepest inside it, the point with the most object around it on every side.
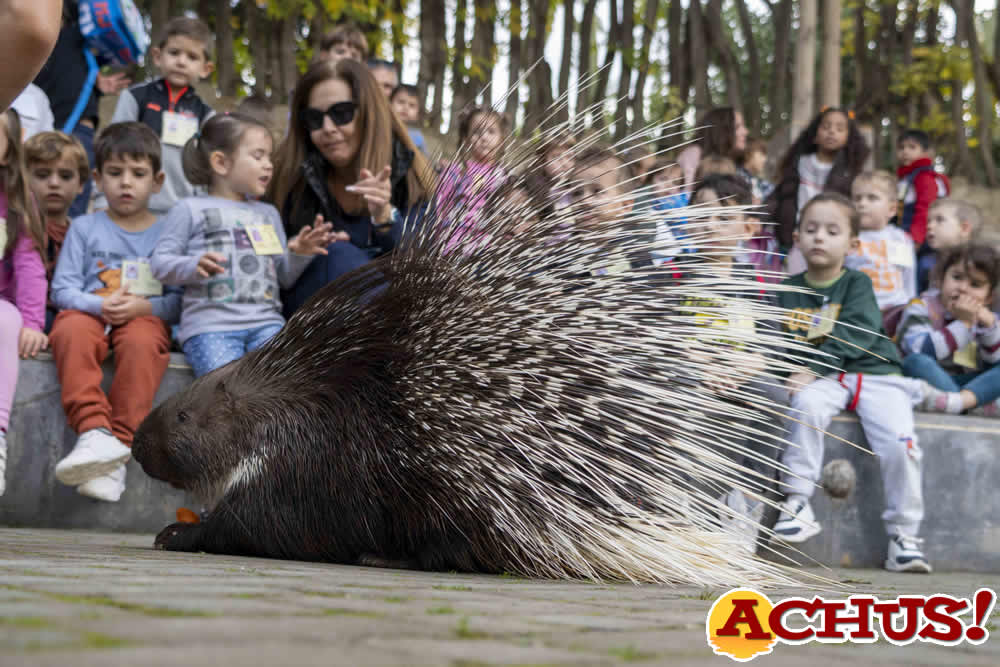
(349, 161)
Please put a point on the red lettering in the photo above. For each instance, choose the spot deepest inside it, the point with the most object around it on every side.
(743, 614)
(910, 607)
(778, 624)
(955, 627)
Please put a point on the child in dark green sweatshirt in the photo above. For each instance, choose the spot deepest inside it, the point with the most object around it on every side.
(853, 366)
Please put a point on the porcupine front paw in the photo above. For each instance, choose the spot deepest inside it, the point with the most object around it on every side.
(178, 537)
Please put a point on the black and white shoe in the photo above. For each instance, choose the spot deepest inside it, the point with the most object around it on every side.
(905, 555)
(796, 523)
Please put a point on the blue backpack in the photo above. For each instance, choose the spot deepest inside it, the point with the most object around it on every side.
(115, 35)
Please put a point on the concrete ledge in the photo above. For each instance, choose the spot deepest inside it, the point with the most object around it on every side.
(961, 469)
(961, 526)
(38, 438)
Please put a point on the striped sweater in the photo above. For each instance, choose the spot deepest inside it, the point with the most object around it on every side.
(928, 328)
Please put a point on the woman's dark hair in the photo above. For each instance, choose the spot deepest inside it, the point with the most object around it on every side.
(853, 217)
(221, 132)
(972, 256)
(852, 156)
(731, 189)
(720, 129)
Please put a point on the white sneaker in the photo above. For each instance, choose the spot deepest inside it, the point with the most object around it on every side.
(746, 526)
(905, 555)
(95, 453)
(3, 462)
(796, 523)
(106, 487)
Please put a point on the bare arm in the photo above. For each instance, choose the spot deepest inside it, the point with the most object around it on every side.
(26, 49)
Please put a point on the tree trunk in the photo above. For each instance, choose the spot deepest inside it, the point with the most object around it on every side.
(805, 68)
(226, 71)
(160, 12)
(984, 95)
(459, 91)
(963, 160)
(584, 62)
(830, 95)
(719, 39)
(398, 34)
(540, 81)
(779, 111)
(566, 60)
(908, 38)
(751, 100)
(289, 68)
(433, 59)
(625, 80)
(483, 52)
(678, 65)
(259, 40)
(699, 58)
(648, 28)
(600, 90)
(995, 66)
(514, 67)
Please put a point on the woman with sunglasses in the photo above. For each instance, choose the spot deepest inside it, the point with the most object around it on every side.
(349, 161)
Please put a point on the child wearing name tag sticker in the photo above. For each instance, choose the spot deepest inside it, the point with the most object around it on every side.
(885, 252)
(169, 105)
(105, 307)
(228, 250)
(951, 337)
(854, 367)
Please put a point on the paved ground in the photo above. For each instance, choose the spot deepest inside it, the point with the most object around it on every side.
(105, 599)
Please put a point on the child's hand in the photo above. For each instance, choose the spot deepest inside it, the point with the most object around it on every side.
(986, 318)
(377, 191)
(965, 308)
(126, 309)
(313, 239)
(798, 381)
(31, 342)
(209, 264)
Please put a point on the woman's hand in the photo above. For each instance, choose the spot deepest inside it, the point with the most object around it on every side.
(313, 239)
(377, 191)
(31, 342)
(798, 381)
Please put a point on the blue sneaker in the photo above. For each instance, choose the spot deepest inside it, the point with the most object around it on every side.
(796, 523)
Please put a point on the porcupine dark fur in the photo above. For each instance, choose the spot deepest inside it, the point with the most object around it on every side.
(495, 408)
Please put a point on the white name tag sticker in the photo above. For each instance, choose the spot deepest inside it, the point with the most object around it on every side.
(138, 276)
(900, 254)
(968, 356)
(821, 323)
(264, 240)
(177, 128)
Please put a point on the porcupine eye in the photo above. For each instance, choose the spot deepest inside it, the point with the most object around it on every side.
(182, 417)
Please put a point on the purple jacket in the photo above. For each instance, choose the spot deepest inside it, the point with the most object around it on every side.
(22, 278)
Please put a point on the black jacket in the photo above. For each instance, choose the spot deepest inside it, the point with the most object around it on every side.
(300, 210)
(154, 98)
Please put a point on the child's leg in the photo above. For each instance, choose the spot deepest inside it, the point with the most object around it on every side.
(926, 367)
(885, 409)
(79, 347)
(10, 332)
(260, 335)
(208, 351)
(142, 352)
(813, 407)
(765, 447)
(985, 385)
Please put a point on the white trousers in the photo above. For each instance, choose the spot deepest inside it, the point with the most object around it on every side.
(884, 405)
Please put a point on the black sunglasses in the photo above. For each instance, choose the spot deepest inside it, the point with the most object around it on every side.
(340, 113)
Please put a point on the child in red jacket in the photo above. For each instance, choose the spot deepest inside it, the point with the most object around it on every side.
(919, 185)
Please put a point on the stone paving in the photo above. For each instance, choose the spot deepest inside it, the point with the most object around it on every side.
(108, 599)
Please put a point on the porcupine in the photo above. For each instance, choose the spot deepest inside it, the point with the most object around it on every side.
(502, 407)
